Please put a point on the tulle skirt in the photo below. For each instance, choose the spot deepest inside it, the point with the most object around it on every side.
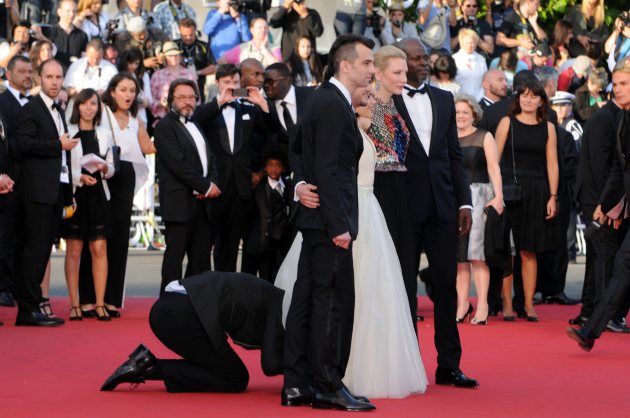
(385, 358)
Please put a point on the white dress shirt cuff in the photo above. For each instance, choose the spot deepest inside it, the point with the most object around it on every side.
(466, 207)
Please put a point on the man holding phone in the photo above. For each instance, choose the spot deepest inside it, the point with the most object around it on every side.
(229, 121)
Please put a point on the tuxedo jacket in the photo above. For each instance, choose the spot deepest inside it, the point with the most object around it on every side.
(263, 220)
(37, 141)
(9, 110)
(232, 166)
(599, 143)
(330, 145)
(246, 308)
(281, 134)
(179, 169)
(440, 175)
(618, 182)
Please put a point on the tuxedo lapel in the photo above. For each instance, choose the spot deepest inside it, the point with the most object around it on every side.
(223, 133)
(52, 126)
(434, 111)
(180, 126)
(239, 111)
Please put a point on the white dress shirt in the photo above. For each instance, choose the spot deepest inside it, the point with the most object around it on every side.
(421, 114)
(291, 102)
(16, 94)
(64, 177)
(229, 115)
(343, 89)
(81, 76)
(275, 183)
(200, 144)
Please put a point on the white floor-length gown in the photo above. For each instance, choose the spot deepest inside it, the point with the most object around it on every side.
(385, 358)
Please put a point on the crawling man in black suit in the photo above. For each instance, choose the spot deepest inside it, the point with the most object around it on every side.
(194, 318)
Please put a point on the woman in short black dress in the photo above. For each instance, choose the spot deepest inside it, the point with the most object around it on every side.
(533, 138)
(91, 194)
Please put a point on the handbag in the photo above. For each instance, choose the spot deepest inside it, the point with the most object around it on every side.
(115, 149)
(513, 192)
(434, 33)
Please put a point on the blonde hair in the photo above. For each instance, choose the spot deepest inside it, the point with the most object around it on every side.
(472, 103)
(598, 15)
(85, 4)
(467, 33)
(385, 54)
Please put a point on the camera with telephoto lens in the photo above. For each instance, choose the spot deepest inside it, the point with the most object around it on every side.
(237, 5)
(297, 1)
(625, 18)
(374, 21)
(188, 61)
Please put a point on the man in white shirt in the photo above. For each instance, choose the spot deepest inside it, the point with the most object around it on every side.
(188, 178)
(91, 71)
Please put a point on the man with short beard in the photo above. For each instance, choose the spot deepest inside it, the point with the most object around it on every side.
(188, 177)
(494, 87)
(20, 78)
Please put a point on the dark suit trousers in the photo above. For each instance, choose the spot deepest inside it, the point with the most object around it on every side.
(175, 323)
(228, 226)
(319, 322)
(553, 265)
(41, 223)
(438, 239)
(615, 295)
(190, 238)
(588, 286)
(9, 222)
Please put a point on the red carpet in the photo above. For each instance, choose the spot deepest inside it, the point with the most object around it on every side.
(525, 370)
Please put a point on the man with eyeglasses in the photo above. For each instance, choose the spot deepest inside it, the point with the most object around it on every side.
(468, 20)
(188, 178)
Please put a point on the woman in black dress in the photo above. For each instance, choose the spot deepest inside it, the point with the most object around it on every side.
(91, 194)
(527, 141)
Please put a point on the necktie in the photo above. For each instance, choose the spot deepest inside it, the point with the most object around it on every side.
(25, 97)
(279, 189)
(412, 92)
(288, 120)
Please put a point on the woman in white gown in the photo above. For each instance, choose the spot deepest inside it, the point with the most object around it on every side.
(384, 357)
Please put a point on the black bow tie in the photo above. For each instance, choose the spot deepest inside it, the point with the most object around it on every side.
(185, 119)
(412, 92)
(55, 105)
(229, 104)
(25, 97)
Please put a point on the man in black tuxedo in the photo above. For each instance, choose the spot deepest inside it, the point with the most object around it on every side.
(286, 105)
(439, 203)
(6, 182)
(188, 177)
(44, 147)
(193, 318)
(597, 154)
(617, 184)
(494, 88)
(319, 322)
(229, 123)
(20, 77)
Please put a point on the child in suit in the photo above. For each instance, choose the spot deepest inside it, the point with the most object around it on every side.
(270, 233)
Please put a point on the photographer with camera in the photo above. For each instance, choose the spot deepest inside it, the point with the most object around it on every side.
(296, 20)
(226, 27)
(169, 13)
(148, 41)
(521, 29)
(377, 26)
(617, 45)
(92, 19)
(398, 28)
(468, 20)
(22, 37)
(134, 9)
(436, 18)
(70, 40)
(196, 54)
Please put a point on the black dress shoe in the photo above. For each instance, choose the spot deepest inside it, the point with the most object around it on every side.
(585, 343)
(37, 319)
(6, 299)
(454, 377)
(135, 370)
(297, 396)
(358, 398)
(617, 326)
(341, 399)
(578, 320)
(113, 313)
(561, 299)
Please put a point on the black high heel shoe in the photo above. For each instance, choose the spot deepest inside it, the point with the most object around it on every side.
(467, 315)
(476, 321)
(75, 313)
(104, 315)
(113, 313)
